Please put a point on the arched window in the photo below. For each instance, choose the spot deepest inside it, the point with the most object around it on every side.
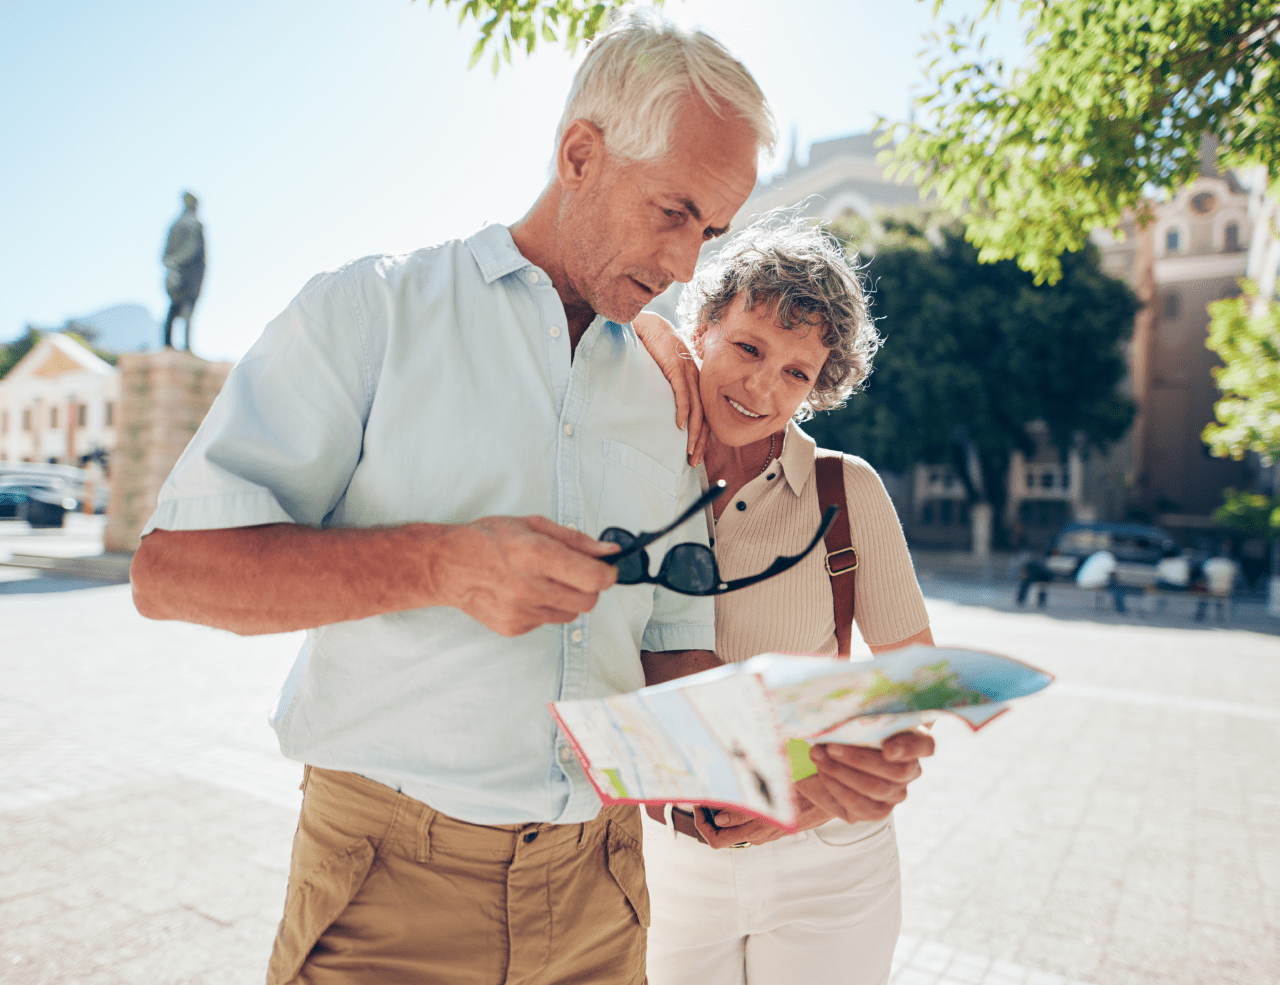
(1231, 238)
(1171, 240)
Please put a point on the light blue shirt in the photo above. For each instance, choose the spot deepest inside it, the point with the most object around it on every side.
(438, 387)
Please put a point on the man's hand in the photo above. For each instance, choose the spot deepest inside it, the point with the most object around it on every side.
(676, 362)
(861, 784)
(515, 574)
(737, 827)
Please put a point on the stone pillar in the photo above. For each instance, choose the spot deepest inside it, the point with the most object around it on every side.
(163, 398)
(980, 515)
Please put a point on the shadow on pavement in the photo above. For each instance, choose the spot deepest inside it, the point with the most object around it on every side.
(46, 584)
(1248, 615)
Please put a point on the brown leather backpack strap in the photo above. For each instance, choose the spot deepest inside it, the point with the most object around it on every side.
(842, 559)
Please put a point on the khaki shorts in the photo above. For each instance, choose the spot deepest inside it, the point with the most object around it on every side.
(383, 889)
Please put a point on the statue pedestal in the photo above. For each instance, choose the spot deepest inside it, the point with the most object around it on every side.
(163, 398)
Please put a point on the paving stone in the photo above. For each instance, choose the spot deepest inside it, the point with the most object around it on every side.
(1122, 829)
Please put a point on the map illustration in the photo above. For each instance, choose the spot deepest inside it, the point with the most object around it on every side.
(738, 736)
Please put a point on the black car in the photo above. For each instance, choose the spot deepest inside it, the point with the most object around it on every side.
(1137, 548)
(39, 506)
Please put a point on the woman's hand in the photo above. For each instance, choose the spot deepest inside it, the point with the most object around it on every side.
(737, 827)
(676, 362)
(863, 784)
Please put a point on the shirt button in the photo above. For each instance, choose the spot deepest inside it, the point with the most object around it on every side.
(741, 506)
(533, 276)
(555, 331)
(568, 429)
(566, 754)
(768, 477)
(576, 636)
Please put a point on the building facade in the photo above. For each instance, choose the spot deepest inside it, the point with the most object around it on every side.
(58, 405)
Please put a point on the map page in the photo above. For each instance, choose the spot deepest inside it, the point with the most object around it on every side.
(738, 736)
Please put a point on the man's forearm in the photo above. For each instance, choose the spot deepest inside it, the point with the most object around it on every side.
(281, 577)
(511, 573)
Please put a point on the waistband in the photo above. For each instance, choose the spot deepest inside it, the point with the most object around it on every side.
(395, 821)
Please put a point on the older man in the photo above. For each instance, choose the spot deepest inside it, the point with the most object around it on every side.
(408, 464)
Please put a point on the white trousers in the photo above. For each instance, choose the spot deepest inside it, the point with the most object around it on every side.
(819, 908)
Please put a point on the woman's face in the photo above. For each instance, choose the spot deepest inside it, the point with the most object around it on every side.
(755, 373)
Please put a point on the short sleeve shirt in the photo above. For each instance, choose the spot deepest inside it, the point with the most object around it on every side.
(794, 612)
(439, 387)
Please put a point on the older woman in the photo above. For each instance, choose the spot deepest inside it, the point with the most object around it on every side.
(778, 325)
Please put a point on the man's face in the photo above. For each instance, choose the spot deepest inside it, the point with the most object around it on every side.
(635, 228)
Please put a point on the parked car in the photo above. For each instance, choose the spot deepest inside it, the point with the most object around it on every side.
(39, 506)
(1137, 547)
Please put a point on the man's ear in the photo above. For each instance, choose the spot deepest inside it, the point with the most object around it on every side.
(580, 154)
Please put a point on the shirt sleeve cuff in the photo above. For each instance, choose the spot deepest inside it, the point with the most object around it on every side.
(245, 509)
(659, 639)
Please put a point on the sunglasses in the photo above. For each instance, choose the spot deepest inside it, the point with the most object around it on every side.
(691, 569)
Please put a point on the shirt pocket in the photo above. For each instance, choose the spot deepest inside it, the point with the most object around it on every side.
(637, 493)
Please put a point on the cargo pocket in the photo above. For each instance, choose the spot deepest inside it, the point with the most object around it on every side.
(316, 904)
(626, 865)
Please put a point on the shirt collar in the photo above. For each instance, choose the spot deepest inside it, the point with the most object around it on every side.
(496, 255)
(495, 252)
(798, 453)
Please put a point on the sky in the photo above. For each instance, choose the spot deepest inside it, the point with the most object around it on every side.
(317, 131)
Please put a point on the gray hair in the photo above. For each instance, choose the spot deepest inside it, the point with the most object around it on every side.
(637, 75)
(803, 272)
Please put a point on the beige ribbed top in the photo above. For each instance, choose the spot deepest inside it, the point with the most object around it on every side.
(793, 612)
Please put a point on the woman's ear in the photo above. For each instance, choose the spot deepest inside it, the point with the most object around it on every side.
(695, 343)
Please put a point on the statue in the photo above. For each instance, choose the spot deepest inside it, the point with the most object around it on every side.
(184, 258)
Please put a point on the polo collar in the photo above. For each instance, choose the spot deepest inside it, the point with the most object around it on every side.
(496, 255)
(798, 453)
(495, 252)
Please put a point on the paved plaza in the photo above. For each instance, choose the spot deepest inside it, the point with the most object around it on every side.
(1122, 828)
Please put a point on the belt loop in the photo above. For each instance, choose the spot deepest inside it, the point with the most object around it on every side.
(424, 834)
(306, 777)
(670, 821)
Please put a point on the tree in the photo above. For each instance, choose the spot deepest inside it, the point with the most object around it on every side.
(519, 23)
(975, 352)
(1249, 411)
(1114, 100)
(12, 352)
(1250, 513)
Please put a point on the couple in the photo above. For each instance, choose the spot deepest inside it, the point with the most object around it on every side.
(411, 464)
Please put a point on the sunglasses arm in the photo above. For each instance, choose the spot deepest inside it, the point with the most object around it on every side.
(644, 540)
(783, 563)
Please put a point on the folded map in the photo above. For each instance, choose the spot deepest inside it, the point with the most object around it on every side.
(738, 736)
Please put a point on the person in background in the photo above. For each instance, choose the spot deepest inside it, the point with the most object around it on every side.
(778, 324)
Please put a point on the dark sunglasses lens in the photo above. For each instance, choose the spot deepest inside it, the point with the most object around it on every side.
(689, 568)
(632, 568)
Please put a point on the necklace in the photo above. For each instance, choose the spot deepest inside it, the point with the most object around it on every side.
(769, 459)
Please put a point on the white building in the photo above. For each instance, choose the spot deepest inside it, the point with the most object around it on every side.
(58, 404)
